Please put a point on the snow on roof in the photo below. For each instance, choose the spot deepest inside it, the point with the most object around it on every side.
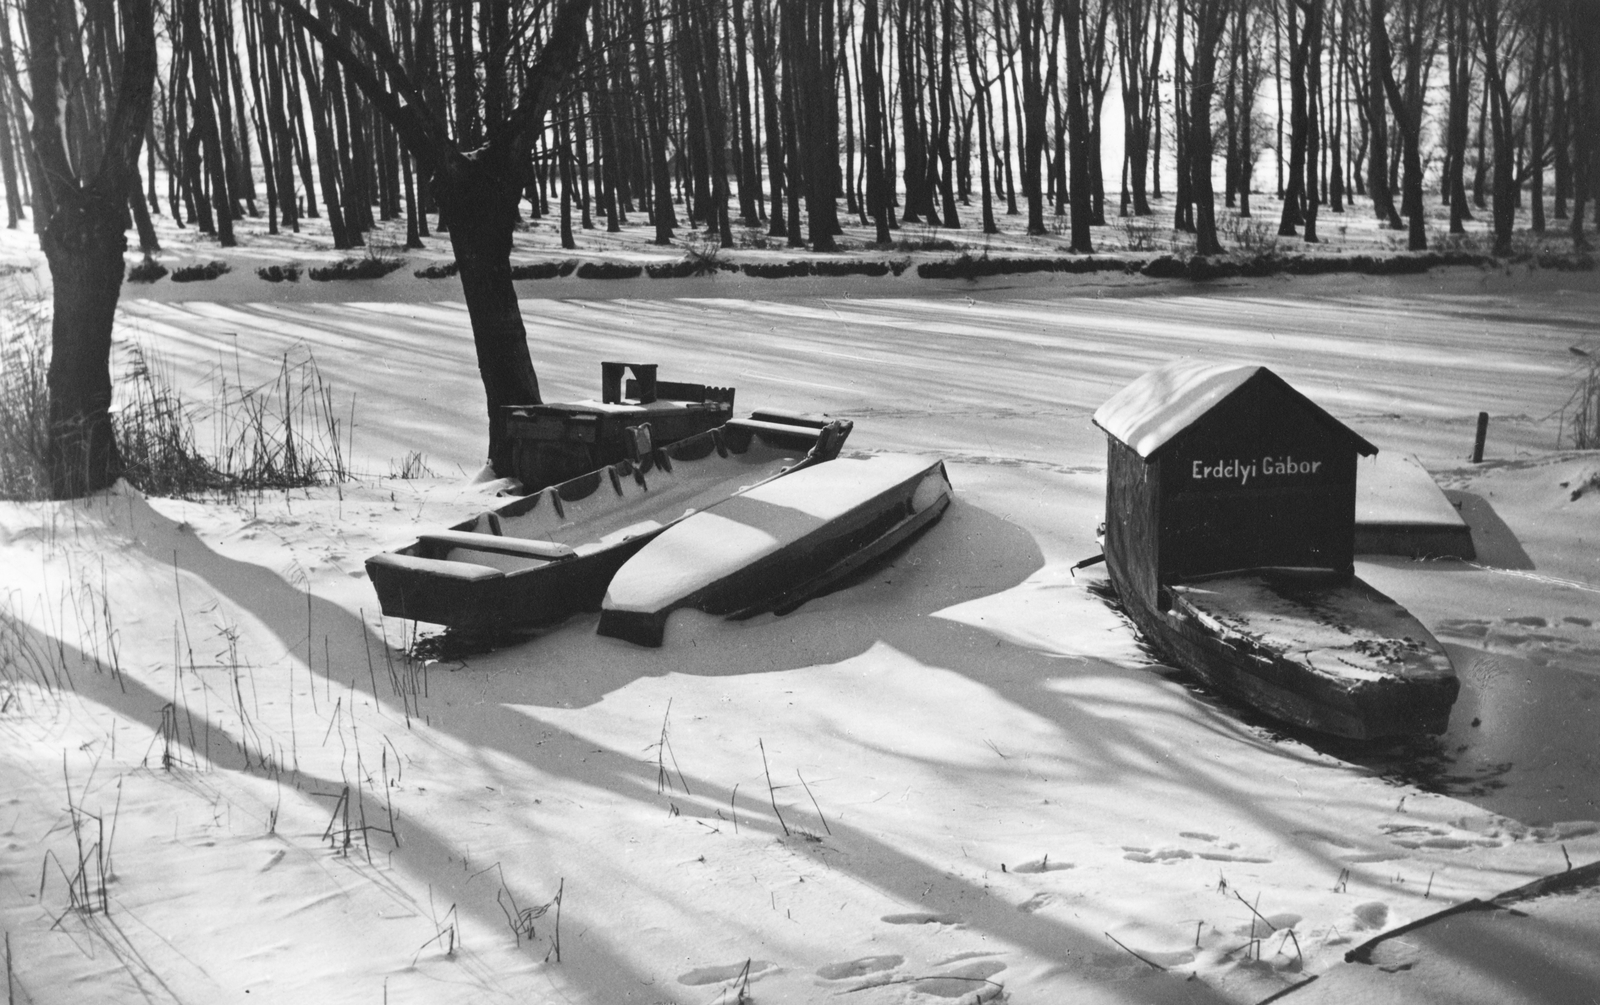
(1167, 400)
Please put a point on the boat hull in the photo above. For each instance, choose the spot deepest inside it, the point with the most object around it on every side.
(777, 545)
(1319, 651)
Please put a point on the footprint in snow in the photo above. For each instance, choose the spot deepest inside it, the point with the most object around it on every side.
(921, 918)
(859, 968)
(973, 979)
(1036, 902)
(1373, 914)
(727, 972)
(1146, 855)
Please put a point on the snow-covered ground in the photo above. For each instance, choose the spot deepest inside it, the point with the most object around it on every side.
(958, 778)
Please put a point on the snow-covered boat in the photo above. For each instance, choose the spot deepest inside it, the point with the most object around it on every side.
(1315, 649)
(537, 559)
(1229, 539)
(776, 545)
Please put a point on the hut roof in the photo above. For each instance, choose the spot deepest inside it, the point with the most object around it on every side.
(1164, 402)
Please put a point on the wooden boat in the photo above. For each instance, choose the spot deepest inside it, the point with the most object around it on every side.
(1312, 648)
(1229, 539)
(539, 558)
(776, 545)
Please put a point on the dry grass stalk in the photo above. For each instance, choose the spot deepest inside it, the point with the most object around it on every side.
(771, 793)
(1581, 413)
(663, 748)
(819, 808)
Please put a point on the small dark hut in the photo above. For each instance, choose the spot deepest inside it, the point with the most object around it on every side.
(1221, 467)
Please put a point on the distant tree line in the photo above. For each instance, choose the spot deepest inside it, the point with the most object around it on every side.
(784, 113)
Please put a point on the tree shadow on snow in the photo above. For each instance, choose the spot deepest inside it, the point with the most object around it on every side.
(1118, 736)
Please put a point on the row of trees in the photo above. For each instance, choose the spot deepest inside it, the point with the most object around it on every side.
(781, 115)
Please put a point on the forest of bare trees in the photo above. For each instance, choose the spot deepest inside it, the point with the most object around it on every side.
(462, 117)
(786, 113)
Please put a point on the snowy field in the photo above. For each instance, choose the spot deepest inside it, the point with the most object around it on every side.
(960, 778)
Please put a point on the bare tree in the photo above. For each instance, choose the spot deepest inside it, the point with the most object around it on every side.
(476, 173)
(1419, 42)
(86, 141)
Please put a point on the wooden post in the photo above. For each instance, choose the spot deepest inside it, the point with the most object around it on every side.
(1483, 431)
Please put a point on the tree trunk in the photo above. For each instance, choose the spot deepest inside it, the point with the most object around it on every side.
(879, 201)
(1082, 187)
(1496, 93)
(1409, 121)
(481, 198)
(83, 237)
(1183, 212)
(1378, 118)
(766, 59)
(206, 120)
(1209, 18)
(1311, 64)
(327, 157)
(84, 243)
(1294, 190)
(946, 97)
(749, 169)
(1030, 35)
(914, 156)
(1536, 124)
(660, 173)
(1458, 60)
(980, 98)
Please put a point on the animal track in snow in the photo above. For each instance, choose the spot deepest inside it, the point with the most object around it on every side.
(921, 918)
(860, 967)
(727, 972)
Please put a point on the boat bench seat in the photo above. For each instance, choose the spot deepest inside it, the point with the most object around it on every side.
(778, 428)
(462, 571)
(549, 551)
